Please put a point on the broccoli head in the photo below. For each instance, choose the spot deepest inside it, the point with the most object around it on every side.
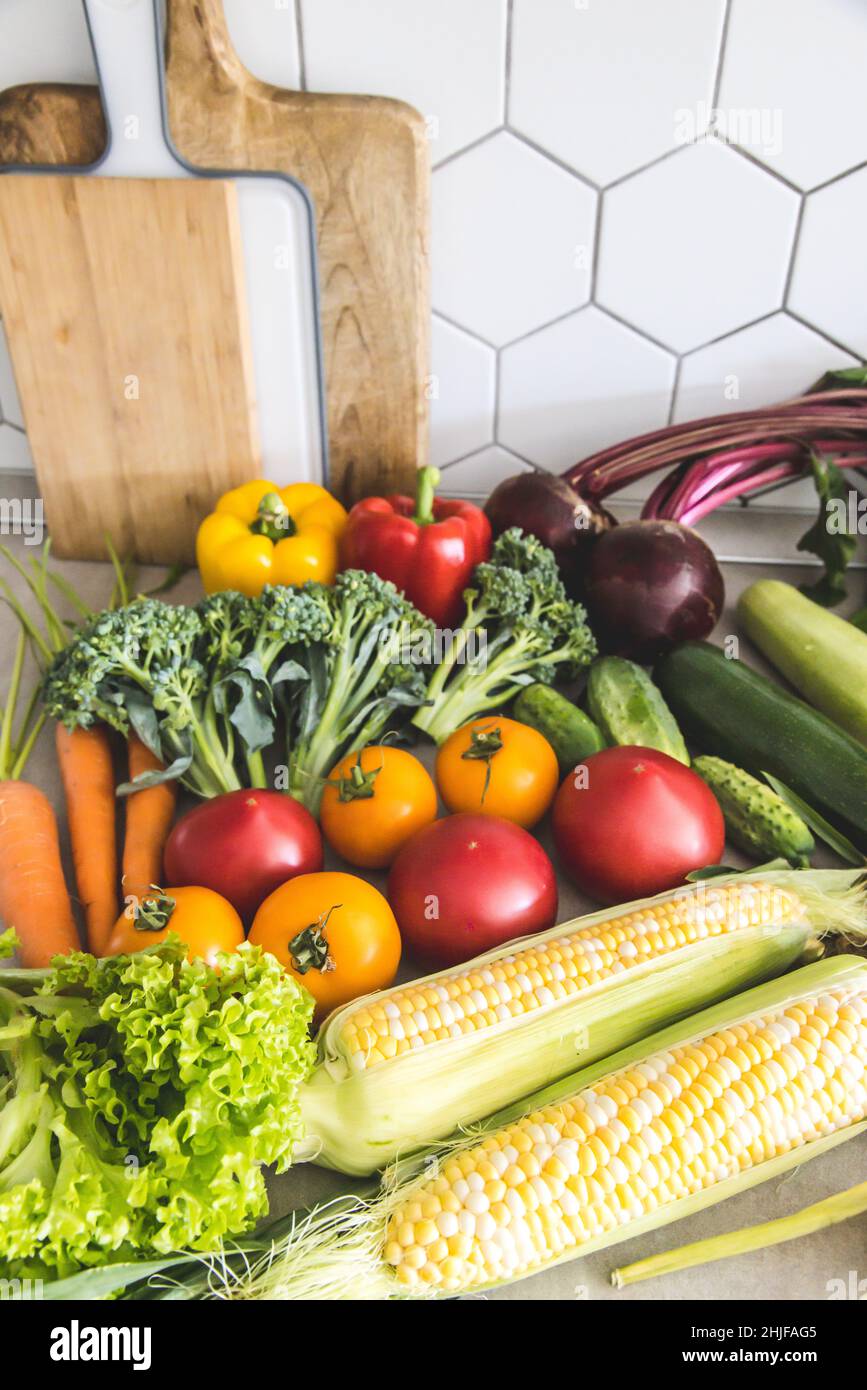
(520, 628)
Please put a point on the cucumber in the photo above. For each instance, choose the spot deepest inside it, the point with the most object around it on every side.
(570, 732)
(629, 708)
(727, 709)
(821, 655)
(757, 820)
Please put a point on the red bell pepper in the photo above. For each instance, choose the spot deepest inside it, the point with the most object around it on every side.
(427, 546)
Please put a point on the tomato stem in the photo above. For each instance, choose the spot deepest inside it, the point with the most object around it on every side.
(309, 949)
(358, 786)
(154, 914)
(484, 743)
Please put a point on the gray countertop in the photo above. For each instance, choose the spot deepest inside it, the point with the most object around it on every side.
(802, 1270)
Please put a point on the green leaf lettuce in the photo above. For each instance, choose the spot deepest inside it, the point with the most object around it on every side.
(140, 1097)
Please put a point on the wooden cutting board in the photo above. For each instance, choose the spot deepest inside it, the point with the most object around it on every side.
(365, 163)
(125, 307)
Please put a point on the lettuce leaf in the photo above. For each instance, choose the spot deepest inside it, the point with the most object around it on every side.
(140, 1097)
(9, 944)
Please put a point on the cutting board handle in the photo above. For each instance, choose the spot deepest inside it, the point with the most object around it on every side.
(125, 38)
(198, 43)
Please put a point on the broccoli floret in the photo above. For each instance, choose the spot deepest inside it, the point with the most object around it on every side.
(141, 667)
(370, 663)
(520, 628)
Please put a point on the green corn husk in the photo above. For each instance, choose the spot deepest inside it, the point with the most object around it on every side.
(335, 1252)
(358, 1121)
(817, 1217)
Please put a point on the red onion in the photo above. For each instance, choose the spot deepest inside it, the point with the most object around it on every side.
(546, 506)
(651, 585)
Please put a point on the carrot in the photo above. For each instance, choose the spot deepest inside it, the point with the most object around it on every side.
(149, 816)
(87, 773)
(33, 896)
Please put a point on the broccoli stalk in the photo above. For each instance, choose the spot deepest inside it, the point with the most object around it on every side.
(364, 670)
(520, 628)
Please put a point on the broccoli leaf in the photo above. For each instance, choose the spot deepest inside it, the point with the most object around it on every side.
(251, 711)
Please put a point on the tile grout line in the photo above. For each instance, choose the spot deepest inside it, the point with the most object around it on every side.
(675, 386)
(836, 178)
(720, 58)
(597, 247)
(822, 333)
(460, 328)
(507, 55)
(302, 57)
(667, 348)
(563, 164)
(467, 149)
(759, 164)
(793, 252)
(497, 381)
(730, 332)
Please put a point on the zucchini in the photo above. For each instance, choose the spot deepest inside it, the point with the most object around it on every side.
(757, 819)
(570, 732)
(822, 656)
(726, 708)
(630, 709)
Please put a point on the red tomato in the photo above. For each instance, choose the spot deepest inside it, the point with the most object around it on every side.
(243, 844)
(629, 822)
(468, 883)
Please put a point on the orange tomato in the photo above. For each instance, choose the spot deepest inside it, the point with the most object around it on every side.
(500, 768)
(374, 802)
(335, 933)
(199, 916)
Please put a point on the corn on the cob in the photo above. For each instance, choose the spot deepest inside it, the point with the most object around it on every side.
(405, 1068)
(712, 1105)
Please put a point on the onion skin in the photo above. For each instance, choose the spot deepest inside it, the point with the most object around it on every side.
(650, 586)
(550, 508)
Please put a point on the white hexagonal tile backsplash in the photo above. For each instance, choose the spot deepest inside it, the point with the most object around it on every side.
(829, 284)
(608, 86)
(445, 57)
(793, 91)
(512, 239)
(696, 245)
(579, 385)
(479, 474)
(462, 393)
(643, 210)
(769, 361)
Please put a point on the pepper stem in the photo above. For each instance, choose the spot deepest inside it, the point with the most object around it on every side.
(426, 486)
(273, 519)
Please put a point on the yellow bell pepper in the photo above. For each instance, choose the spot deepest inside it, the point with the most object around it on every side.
(262, 534)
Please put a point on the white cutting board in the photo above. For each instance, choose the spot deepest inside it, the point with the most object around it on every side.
(277, 232)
